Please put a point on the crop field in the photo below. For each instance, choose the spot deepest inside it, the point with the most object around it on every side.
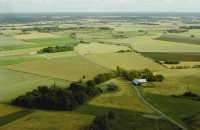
(194, 80)
(99, 48)
(42, 43)
(177, 74)
(10, 31)
(128, 61)
(191, 64)
(162, 56)
(53, 120)
(196, 33)
(36, 35)
(172, 38)
(61, 54)
(14, 83)
(8, 109)
(6, 40)
(70, 68)
(126, 98)
(62, 33)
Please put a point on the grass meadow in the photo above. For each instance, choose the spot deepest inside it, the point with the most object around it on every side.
(8, 40)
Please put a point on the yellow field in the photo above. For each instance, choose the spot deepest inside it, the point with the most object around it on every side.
(8, 109)
(71, 68)
(177, 74)
(126, 98)
(164, 43)
(53, 120)
(194, 80)
(128, 61)
(10, 31)
(61, 54)
(99, 48)
(182, 64)
(36, 35)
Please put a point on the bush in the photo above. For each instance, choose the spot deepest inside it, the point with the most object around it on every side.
(172, 62)
(189, 94)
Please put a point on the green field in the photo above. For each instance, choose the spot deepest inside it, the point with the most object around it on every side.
(22, 59)
(62, 34)
(176, 108)
(6, 40)
(42, 43)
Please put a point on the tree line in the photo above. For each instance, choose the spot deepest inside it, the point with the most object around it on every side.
(172, 62)
(176, 31)
(56, 49)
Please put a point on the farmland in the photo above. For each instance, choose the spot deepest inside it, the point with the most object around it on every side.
(7, 109)
(128, 61)
(36, 35)
(191, 64)
(70, 68)
(7, 40)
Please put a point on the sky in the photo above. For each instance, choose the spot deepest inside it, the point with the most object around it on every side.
(16, 6)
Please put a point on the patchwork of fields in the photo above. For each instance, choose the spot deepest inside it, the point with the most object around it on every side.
(36, 35)
(128, 61)
(6, 40)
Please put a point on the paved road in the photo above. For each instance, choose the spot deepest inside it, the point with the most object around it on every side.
(138, 93)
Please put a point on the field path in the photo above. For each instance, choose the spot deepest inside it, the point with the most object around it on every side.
(138, 93)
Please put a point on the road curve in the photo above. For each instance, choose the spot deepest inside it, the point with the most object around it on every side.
(138, 93)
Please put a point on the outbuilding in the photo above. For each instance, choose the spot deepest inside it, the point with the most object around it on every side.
(111, 86)
(139, 82)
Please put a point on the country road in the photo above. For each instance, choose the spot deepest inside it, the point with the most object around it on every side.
(138, 93)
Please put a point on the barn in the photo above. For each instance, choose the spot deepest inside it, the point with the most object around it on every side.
(139, 82)
(111, 86)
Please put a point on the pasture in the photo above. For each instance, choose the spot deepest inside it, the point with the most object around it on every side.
(192, 57)
(8, 109)
(194, 32)
(8, 40)
(42, 43)
(14, 83)
(193, 80)
(126, 98)
(70, 68)
(99, 48)
(40, 119)
(36, 35)
(62, 33)
(128, 61)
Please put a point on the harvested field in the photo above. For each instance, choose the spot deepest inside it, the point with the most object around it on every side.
(36, 35)
(128, 61)
(71, 68)
(61, 54)
(14, 83)
(6, 40)
(126, 98)
(8, 109)
(167, 88)
(187, 56)
(55, 120)
(191, 64)
(177, 74)
(99, 48)
(172, 38)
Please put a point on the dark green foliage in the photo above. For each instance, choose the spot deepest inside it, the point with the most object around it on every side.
(181, 67)
(140, 31)
(56, 49)
(157, 61)
(190, 27)
(119, 36)
(1, 33)
(105, 28)
(172, 62)
(111, 115)
(192, 36)
(196, 66)
(176, 31)
(122, 51)
(91, 83)
(100, 78)
(160, 77)
(189, 94)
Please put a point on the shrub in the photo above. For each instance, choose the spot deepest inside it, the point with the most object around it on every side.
(172, 62)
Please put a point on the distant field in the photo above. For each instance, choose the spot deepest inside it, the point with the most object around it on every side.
(194, 80)
(191, 64)
(8, 109)
(99, 48)
(61, 54)
(195, 32)
(162, 56)
(14, 83)
(71, 68)
(36, 35)
(10, 31)
(177, 74)
(6, 40)
(42, 43)
(128, 61)
(173, 38)
(62, 34)
(53, 120)
(126, 98)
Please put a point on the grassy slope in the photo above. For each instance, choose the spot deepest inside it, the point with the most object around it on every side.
(42, 43)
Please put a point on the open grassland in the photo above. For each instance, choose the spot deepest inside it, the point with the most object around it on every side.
(126, 98)
(61, 54)
(7, 40)
(71, 68)
(194, 80)
(14, 83)
(42, 43)
(172, 38)
(176, 108)
(62, 33)
(128, 61)
(8, 109)
(191, 64)
(182, 56)
(177, 74)
(36, 35)
(55, 120)
(99, 48)
(195, 32)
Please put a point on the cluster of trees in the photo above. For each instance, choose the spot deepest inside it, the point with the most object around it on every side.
(190, 27)
(146, 74)
(56, 98)
(119, 36)
(196, 66)
(181, 67)
(1, 33)
(188, 95)
(158, 61)
(81, 41)
(105, 28)
(56, 49)
(172, 62)
(122, 51)
(100, 78)
(176, 31)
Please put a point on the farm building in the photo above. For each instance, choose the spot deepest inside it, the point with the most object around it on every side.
(139, 82)
(111, 86)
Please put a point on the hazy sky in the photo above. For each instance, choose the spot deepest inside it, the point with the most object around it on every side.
(7, 6)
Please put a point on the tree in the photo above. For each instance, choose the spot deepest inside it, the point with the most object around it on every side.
(111, 115)
(192, 36)
(91, 83)
(160, 77)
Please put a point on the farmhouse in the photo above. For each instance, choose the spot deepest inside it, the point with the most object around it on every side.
(139, 82)
(111, 86)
